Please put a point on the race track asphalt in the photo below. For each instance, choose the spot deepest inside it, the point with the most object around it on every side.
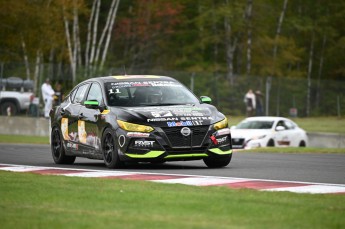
(318, 168)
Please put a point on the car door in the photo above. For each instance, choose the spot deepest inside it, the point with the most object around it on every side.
(88, 120)
(70, 117)
(283, 137)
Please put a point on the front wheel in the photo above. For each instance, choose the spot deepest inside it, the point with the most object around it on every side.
(109, 149)
(217, 162)
(58, 151)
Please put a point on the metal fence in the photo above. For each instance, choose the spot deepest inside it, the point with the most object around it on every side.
(281, 96)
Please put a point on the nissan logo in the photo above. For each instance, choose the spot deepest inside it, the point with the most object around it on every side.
(185, 131)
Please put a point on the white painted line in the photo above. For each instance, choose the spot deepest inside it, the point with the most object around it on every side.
(99, 174)
(313, 189)
(21, 168)
(200, 181)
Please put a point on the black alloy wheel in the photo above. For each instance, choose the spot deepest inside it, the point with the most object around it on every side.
(110, 156)
(58, 151)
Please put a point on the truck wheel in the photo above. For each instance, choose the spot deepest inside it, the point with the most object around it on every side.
(11, 105)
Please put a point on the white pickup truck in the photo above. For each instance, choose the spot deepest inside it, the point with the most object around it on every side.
(15, 95)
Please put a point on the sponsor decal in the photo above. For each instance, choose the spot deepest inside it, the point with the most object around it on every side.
(81, 131)
(122, 140)
(138, 134)
(72, 146)
(162, 119)
(64, 128)
(185, 131)
(158, 114)
(182, 123)
(222, 140)
(141, 143)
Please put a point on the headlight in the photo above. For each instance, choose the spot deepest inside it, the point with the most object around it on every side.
(222, 124)
(134, 127)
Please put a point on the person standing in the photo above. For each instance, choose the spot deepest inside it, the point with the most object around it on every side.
(259, 103)
(48, 97)
(58, 94)
(249, 100)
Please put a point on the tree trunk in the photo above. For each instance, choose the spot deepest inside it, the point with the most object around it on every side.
(37, 71)
(105, 30)
(249, 36)
(26, 59)
(94, 37)
(110, 29)
(69, 46)
(230, 48)
(320, 71)
(280, 23)
(310, 67)
(88, 38)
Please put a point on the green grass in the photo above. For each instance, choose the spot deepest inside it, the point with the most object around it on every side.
(37, 201)
(24, 139)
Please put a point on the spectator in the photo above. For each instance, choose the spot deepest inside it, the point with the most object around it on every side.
(249, 100)
(58, 94)
(259, 103)
(48, 96)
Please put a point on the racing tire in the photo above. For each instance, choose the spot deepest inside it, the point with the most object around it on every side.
(109, 150)
(217, 162)
(302, 144)
(13, 106)
(270, 143)
(58, 150)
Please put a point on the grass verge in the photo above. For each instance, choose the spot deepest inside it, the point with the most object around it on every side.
(36, 201)
(23, 139)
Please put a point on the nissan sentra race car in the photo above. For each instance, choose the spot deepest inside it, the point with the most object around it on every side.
(138, 118)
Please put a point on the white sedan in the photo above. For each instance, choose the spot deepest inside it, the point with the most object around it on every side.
(256, 132)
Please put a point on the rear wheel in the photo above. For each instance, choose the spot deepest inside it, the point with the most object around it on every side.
(7, 107)
(217, 162)
(58, 151)
(302, 144)
(109, 149)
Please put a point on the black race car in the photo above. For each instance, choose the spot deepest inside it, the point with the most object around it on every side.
(138, 118)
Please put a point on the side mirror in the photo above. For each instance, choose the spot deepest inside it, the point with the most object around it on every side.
(205, 99)
(280, 128)
(92, 104)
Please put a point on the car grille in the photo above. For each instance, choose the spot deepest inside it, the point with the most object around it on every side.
(237, 143)
(178, 140)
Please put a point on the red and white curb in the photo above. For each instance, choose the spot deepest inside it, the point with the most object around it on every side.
(231, 182)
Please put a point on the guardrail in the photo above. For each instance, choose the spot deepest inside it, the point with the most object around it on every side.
(17, 125)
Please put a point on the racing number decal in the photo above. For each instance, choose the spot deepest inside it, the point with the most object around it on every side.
(81, 131)
(64, 128)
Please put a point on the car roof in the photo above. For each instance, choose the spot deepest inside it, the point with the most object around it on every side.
(121, 78)
(266, 118)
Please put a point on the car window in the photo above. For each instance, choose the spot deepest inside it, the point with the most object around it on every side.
(95, 93)
(289, 125)
(255, 125)
(283, 124)
(148, 93)
(80, 94)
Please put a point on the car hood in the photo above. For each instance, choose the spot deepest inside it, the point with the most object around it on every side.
(170, 116)
(249, 133)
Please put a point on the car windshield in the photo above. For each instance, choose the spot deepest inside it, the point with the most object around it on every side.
(255, 125)
(148, 93)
